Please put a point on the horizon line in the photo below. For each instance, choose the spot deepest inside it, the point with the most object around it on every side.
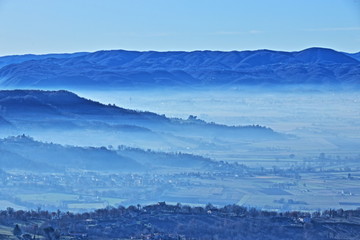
(164, 51)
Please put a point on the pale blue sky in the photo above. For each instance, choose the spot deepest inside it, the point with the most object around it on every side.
(49, 26)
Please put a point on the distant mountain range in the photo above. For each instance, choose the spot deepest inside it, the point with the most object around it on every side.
(119, 68)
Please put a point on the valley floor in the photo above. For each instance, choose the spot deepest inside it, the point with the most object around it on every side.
(309, 186)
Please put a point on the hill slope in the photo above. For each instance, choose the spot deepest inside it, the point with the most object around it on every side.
(25, 153)
(64, 117)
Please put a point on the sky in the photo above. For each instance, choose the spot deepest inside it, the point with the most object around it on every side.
(59, 26)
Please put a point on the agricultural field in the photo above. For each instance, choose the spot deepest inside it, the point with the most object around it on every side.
(266, 188)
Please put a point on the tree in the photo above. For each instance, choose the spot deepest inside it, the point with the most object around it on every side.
(17, 231)
(10, 211)
(51, 233)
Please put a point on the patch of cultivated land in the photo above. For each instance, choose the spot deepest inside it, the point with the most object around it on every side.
(280, 190)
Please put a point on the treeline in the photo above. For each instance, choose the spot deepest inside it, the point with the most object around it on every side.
(164, 221)
(232, 210)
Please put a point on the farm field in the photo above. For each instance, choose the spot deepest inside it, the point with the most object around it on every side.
(308, 191)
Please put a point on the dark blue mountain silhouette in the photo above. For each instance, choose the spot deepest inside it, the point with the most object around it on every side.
(23, 58)
(354, 55)
(119, 68)
(56, 103)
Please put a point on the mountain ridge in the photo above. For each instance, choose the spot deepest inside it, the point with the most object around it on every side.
(121, 68)
(15, 103)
